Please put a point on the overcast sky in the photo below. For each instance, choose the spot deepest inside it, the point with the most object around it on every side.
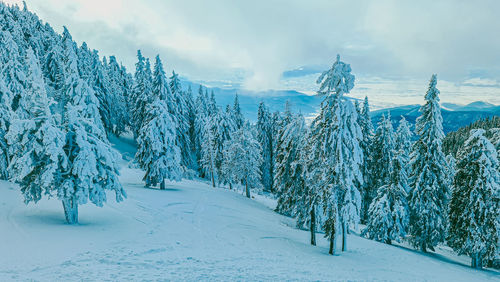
(255, 41)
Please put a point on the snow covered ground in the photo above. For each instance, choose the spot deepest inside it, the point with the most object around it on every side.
(192, 231)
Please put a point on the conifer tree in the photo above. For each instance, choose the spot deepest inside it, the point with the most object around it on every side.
(365, 122)
(388, 215)
(403, 144)
(237, 115)
(265, 138)
(242, 157)
(337, 135)
(474, 209)
(92, 167)
(40, 160)
(289, 176)
(5, 120)
(158, 152)
(428, 197)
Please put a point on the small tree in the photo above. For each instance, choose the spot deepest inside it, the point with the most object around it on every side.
(474, 209)
(242, 158)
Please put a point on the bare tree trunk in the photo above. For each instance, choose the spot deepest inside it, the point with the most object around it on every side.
(313, 227)
(162, 184)
(423, 248)
(344, 237)
(213, 176)
(476, 261)
(230, 185)
(333, 245)
(70, 210)
(247, 189)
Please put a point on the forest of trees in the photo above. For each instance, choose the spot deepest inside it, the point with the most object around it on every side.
(60, 103)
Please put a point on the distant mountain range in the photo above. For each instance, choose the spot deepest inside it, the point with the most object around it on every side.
(454, 115)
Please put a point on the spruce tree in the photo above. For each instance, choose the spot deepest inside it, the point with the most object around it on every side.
(92, 167)
(242, 157)
(265, 138)
(367, 131)
(40, 158)
(404, 144)
(158, 151)
(289, 176)
(428, 197)
(337, 134)
(388, 215)
(237, 115)
(474, 210)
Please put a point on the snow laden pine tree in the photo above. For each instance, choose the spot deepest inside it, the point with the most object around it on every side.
(336, 135)
(289, 176)
(382, 153)
(91, 167)
(388, 215)
(265, 138)
(403, 145)
(474, 209)
(5, 121)
(242, 157)
(428, 197)
(40, 158)
(158, 153)
(367, 131)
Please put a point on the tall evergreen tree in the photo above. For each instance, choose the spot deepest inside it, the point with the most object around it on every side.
(474, 209)
(92, 167)
(265, 138)
(404, 144)
(237, 115)
(428, 182)
(367, 131)
(40, 160)
(337, 134)
(289, 176)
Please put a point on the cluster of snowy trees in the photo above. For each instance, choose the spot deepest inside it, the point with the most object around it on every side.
(55, 114)
(340, 171)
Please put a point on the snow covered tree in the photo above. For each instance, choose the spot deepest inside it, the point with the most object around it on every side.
(337, 135)
(158, 152)
(5, 120)
(201, 117)
(12, 68)
(118, 94)
(428, 183)
(182, 114)
(382, 150)
(141, 92)
(40, 158)
(92, 167)
(388, 215)
(265, 138)
(367, 131)
(242, 157)
(403, 144)
(474, 210)
(237, 115)
(289, 176)
(217, 132)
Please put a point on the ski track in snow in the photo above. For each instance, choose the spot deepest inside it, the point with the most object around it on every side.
(193, 232)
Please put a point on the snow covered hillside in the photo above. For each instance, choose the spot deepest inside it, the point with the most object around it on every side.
(191, 231)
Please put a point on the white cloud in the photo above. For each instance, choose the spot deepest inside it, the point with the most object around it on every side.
(208, 40)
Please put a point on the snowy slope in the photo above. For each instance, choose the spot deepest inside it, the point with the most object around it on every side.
(192, 231)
